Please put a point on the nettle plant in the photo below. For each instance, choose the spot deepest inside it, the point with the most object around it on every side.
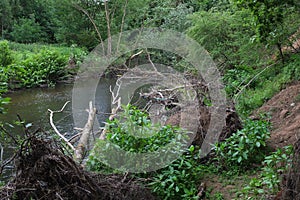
(245, 147)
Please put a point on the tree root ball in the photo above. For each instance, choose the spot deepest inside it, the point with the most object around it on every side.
(45, 172)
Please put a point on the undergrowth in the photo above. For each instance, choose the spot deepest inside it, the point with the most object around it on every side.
(251, 87)
(181, 179)
(32, 65)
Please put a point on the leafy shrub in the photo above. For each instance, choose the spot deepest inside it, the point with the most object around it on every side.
(3, 101)
(236, 78)
(244, 147)
(133, 131)
(267, 84)
(5, 60)
(46, 67)
(176, 181)
(268, 181)
(34, 65)
(5, 54)
(180, 179)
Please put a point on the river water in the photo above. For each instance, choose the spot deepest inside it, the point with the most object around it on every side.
(33, 104)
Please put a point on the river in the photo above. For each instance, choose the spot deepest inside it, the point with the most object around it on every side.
(33, 104)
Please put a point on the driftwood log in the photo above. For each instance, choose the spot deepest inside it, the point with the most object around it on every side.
(83, 143)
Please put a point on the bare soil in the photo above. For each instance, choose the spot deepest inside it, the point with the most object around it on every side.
(284, 109)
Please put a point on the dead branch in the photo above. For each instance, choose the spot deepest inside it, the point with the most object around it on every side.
(244, 87)
(122, 24)
(73, 139)
(85, 135)
(56, 130)
(136, 54)
(7, 162)
(116, 100)
(10, 135)
(149, 59)
(109, 48)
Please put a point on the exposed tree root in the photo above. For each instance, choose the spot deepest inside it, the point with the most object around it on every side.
(45, 172)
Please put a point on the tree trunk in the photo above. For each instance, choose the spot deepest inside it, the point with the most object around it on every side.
(82, 145)
(280, 52)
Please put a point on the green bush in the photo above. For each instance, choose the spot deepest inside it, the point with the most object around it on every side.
(227, 37)
(5, 54)
(268, 182)
(178, 180)
(46, 67)
(244, 147)
(31, 65)
(263, 88)
(133, 131)
(236, 78)
(27, 31)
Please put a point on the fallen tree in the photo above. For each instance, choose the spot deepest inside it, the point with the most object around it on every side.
(81, 147)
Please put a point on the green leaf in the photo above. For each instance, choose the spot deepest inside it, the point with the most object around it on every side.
(240, 159)
(258, 144)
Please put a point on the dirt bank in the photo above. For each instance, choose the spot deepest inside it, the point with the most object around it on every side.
(284, 109)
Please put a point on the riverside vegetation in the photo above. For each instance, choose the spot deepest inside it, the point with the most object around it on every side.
(255, 45)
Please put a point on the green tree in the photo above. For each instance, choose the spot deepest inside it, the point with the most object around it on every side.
(269, 17)
(227, 36)
(5, 54)
(75, 18)
(5, 17)
(27, 31)
(41, 10)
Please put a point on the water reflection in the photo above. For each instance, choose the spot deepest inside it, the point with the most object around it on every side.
(33, 104)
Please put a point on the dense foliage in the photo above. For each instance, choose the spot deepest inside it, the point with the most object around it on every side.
(30, 66)
(253, 42)
(245, 147)
(270, 178)
(168, 182)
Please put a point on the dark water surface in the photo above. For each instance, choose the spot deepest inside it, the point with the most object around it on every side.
(33, 104)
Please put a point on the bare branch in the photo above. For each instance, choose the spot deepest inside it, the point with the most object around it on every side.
(149, 58)
(10, 135)
(74, 137)
(56, 130)
(122, 24)
(92, 21)
(108, 29)
(116, 100)
(7, 162)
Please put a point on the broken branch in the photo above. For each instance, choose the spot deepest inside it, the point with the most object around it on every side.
(56, 130)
